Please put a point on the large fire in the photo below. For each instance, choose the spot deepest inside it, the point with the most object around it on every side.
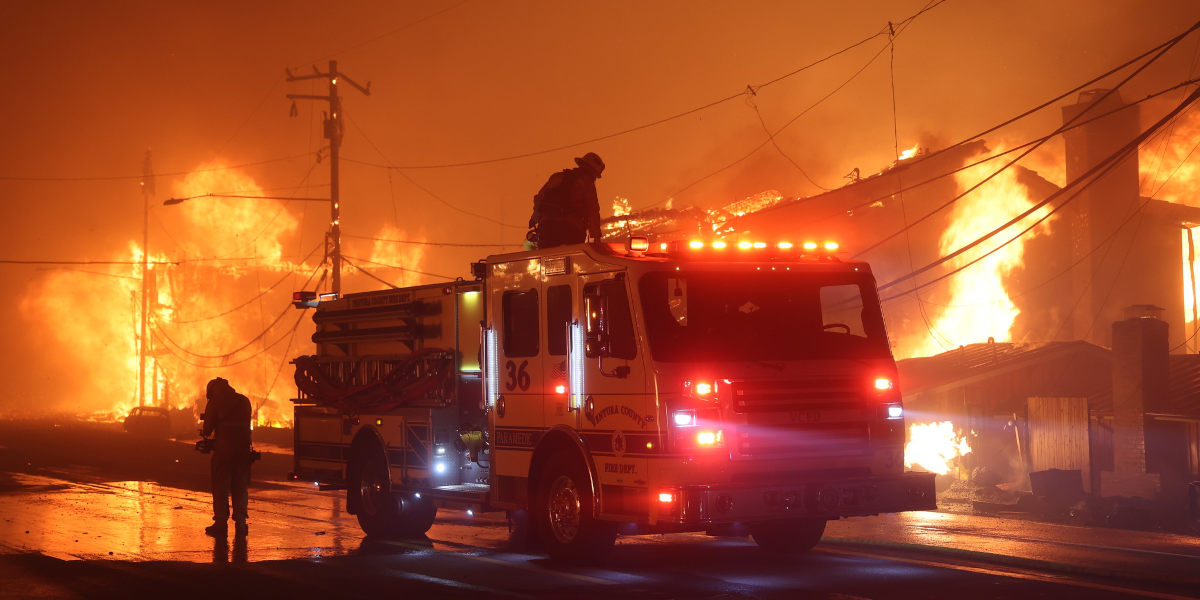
(404, 259)
(934, 446)
(1170, 170)
(219, 305)
(978, 308)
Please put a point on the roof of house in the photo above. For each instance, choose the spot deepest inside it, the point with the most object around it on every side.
(1075, 367)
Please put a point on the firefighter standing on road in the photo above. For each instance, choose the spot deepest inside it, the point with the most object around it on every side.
(227, 418)
(566, 209)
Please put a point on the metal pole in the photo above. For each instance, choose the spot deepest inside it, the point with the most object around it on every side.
(334, 133)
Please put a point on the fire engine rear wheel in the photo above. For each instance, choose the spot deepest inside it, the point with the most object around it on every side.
(379, 512)
(562, 513)
(788, 537)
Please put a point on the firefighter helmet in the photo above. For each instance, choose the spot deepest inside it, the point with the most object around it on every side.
(592, 161)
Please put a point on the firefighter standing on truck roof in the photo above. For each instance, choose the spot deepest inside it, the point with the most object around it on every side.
(566, 209)
(227, 418)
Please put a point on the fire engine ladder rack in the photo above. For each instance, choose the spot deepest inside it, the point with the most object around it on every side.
(349, 332)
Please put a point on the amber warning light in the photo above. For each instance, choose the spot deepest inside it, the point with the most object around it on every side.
(310, 299)
(751, 248)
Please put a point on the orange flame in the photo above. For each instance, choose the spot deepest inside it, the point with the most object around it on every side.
(979, 307)
(934, 446)
(405, 258)
(1170, 170)
(201, 323)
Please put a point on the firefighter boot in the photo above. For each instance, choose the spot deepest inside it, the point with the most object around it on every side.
(217, 530)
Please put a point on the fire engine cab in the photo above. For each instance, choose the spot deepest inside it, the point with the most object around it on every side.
(719, 386)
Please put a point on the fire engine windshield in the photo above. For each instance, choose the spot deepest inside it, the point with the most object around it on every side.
(778, 315)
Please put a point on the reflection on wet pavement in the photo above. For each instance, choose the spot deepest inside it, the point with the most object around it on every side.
(140, 521)
(133, 520)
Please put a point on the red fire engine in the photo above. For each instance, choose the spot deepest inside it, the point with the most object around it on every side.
(715, 386)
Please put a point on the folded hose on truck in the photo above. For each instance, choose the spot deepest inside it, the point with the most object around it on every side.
(410, 380)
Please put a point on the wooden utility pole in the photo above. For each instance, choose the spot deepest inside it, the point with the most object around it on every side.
(333, 133)
(147, 184)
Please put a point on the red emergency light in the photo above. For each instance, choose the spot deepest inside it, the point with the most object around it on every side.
(749, 249)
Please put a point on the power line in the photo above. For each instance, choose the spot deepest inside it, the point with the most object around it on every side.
(1090, 178)
(1107, 248)
(1097, 171)
(223, 355)
(464, 211)
(372, 262)
(419, 243)
(256, 297)
(392, 32)
(987, 159)
(663, 120)
(101, 273)
(83, 262)
(1014, 161)
(980, 134)
(771, 135)
(173, 263)
(778, 149)
(158, 328)
(141, 176)
(154, 333)
(372, 275)
(905, 188)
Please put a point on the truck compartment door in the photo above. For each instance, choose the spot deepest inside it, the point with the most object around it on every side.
(321, 445)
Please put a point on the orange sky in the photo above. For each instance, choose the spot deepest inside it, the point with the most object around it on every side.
(90, 86)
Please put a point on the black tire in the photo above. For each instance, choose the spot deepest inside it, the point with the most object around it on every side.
(796, 536)
(416, 516)
(380, 513)
(562, 515)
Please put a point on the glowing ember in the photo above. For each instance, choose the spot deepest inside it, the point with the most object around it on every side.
(933, 446)
(979, 308)
(621, 206)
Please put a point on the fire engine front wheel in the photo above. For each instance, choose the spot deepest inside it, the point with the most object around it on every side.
(379, 512)
(563, 516)
(789, 537)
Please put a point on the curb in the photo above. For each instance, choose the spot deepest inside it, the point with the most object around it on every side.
(1032, 563)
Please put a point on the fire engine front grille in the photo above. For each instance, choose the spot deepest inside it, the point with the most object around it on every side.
(794, 394)
(834, 438)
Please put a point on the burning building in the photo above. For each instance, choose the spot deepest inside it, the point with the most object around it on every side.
(1024, 361)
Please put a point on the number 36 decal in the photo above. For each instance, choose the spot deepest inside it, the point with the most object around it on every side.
(518, 377)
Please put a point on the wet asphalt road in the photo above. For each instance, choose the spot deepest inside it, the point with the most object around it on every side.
(66, 531)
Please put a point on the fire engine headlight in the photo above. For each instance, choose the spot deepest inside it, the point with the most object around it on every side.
(683, 418)
(895, 411)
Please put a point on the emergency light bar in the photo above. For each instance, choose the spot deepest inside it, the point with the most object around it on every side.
(746, 249)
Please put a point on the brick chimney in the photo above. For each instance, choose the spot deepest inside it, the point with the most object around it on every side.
(1100, 209)
(1139, 385)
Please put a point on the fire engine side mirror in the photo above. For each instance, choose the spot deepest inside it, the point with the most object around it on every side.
(598, 339)
(593, 326)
